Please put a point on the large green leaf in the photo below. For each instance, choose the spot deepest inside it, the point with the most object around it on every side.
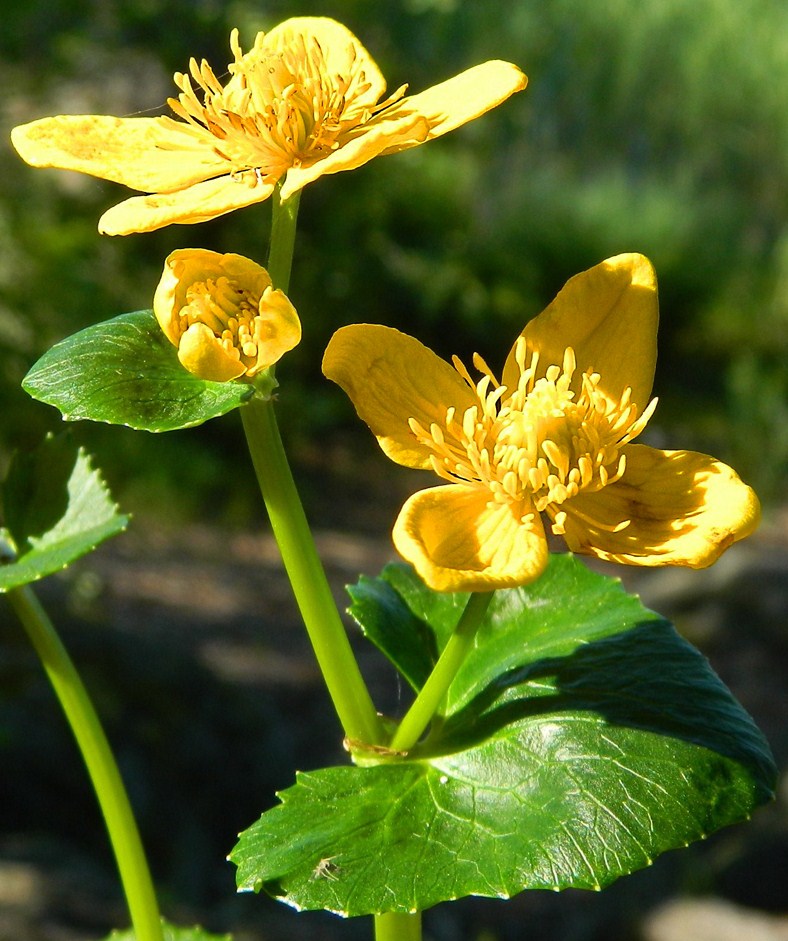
(57, 508)
(126, 372)
(582, 738)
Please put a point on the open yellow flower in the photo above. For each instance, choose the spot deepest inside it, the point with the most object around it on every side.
(223, 315)
(304, 101)
(553, 437)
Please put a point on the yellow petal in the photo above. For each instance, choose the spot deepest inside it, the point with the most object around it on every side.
(185, 266)
(459, 540)
(461, 99)
(390, 377)
(343, 54)
(201, 264)
(167, 301)
(685, 509)
(277, 329)
(197, 203)
(202, 354)
(609, 316)
(147, 154)
(376, 137)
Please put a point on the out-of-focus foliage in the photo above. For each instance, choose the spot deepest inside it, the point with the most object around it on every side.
(658, 127)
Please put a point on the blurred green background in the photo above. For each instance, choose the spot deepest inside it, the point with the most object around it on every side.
(659, 127)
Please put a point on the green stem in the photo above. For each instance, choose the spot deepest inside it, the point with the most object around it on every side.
(394, 926)
(424, 706)
(323, 624)
(284, 216)
(305, 571)
(103, 771)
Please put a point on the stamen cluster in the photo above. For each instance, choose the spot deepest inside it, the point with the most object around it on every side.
(282, 108)
(233, 313)
(539, 444)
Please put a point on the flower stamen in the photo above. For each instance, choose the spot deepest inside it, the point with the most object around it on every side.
(541, 443)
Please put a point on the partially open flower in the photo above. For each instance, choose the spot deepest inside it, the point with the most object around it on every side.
(553, 438)
(305, 100)
(223, 315)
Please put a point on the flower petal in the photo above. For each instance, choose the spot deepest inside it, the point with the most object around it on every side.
(201, 264)
(343, 54)
(685, 508)
(459, 540)
(460, 99)
(390, 378)
(203, 354)
(374, 138)
(277, 329)
(198, 203)
(609, 316)
(147, 154)
(185, 266)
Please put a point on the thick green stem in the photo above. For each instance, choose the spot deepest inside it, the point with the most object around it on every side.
(396, 927)
(327, 633)
(305, 571)
(114, 803)
(418, 717)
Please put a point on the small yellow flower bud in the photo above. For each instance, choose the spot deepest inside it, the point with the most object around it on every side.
(223, 315)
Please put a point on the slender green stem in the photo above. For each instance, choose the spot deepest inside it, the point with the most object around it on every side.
(305, 571)
(323, 624)
(398, 927)
(418, 717)
(103, 771)
(284, 216)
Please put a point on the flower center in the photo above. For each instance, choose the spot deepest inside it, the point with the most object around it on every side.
(282, 108)
(539, 444)
(233, 314)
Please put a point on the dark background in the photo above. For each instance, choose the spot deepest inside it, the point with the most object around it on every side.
(659, 127)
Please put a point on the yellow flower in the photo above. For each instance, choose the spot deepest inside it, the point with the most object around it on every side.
(304, 101)
(553, 437)
(223, 315)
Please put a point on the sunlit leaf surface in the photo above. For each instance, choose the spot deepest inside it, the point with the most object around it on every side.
(582, 738)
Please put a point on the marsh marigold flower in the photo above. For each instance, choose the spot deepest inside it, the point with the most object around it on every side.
(553, 437)
(307, 99)
(223, 315)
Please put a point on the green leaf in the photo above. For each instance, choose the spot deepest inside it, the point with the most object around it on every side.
(57, 508)
(173, 933)
(582, 738)
(126, 372)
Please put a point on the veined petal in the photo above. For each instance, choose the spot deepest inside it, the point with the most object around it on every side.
(609, 316)
(342, 51)
(684, 508)
(147, 154)
(203, 354)
(390, 377)
(458, 539)
(460, 99)
(381, 135)
(277, 329)
(197, 203)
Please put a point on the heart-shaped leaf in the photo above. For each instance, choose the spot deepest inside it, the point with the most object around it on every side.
(582, 738)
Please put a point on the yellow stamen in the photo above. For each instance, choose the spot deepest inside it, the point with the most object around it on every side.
(281, 108)
(540, 443)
